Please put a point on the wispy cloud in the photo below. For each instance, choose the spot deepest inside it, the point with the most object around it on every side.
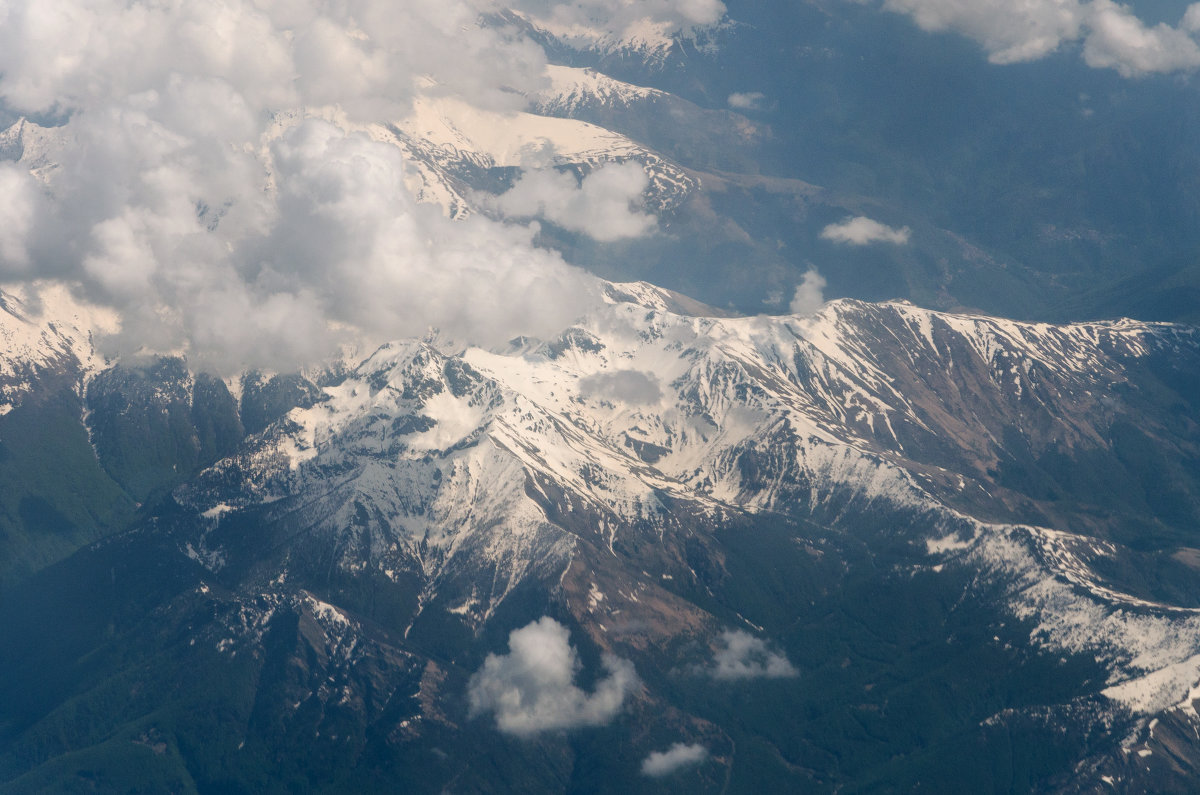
(862, 231)
(743, 656)
(632, 387)
(751, 100)
(532, 688)
(680, 755)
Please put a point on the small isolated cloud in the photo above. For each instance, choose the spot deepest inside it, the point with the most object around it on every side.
(862, 231)
(677, 757)
(605, 206)
(532, 688)
(810, 294)
(744, 656)
(1113, 37)
(634, 387)
(751, 100)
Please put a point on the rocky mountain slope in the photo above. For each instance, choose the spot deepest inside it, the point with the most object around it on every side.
(965, 541)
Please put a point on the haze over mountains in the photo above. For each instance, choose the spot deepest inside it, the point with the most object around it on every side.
(450, 397)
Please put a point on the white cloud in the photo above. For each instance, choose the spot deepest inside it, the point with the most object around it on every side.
(862, 231)
(744, 656)
(603, 206)
(634, 387)
(810, 294)
(177, 202)
(532, 689)
(1191, 19)
(1119, 40)
(1009, 31)
(1113, 37)
(678, 756)
(750, 100)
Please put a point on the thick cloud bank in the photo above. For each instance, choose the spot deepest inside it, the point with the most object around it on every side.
(532, 688)
(677, 757)
(743, 656)
(1112, 35)
(194, 189)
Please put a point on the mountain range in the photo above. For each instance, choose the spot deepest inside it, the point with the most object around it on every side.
(715, 534)
(959, 538)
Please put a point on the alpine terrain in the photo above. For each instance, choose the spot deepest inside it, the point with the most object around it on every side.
(562, 415)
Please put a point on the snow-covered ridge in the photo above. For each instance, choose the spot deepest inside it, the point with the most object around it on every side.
(807, 416)
(674, 402)
(43, 326)
(643, 38)
(446, 134)
(449, 461)
(572, 88)
(34, 146)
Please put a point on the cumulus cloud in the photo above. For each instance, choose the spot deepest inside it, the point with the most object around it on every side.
(195, 193)
(751, 100)
(862, 231)
(1010, 32)
(532, 689)
(677, 757)
(1191, 19)
(634, 387)
(743, 656)
(810, 294)
(365, 55)
(1112, 35)
(604, 206)
(1121, 41)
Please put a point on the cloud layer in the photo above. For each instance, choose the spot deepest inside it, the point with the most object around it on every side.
(677, 757)
(532, 688)
(743, 656)
(1112, 35)
(201, 189)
